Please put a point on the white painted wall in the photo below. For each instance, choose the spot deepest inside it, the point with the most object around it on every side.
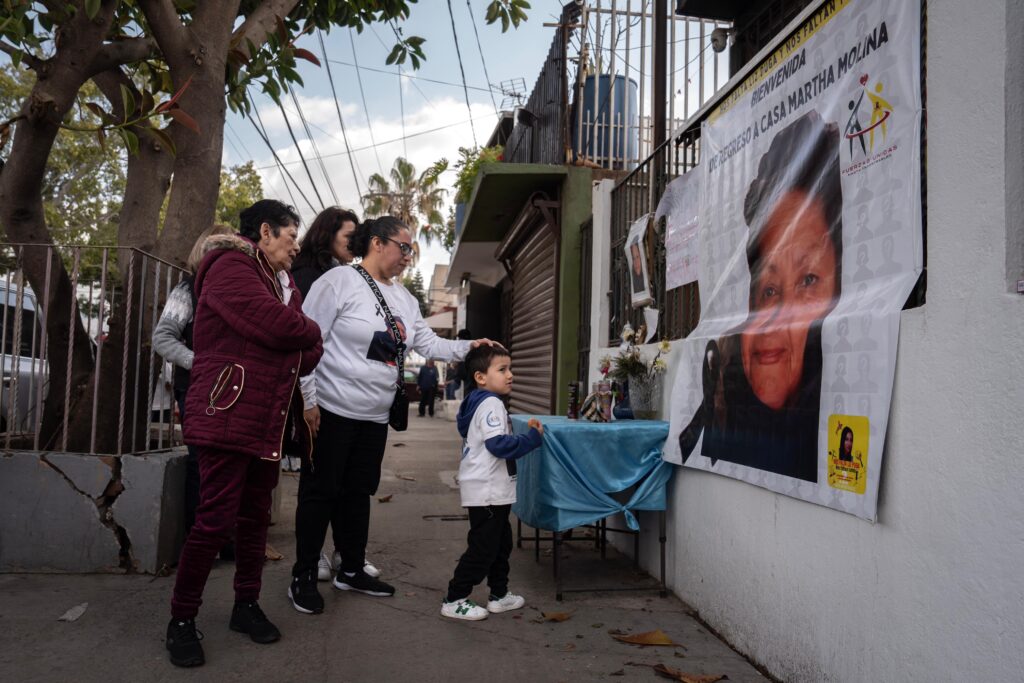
(935, 590)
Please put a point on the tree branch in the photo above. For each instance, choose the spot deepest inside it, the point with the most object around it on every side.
(109, 82)
(33, 63)
(261, 22)
(113, 55)
(165, 25)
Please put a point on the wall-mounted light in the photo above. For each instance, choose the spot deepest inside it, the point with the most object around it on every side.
(722, 37)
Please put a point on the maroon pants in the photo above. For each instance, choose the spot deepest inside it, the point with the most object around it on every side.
(235, 492)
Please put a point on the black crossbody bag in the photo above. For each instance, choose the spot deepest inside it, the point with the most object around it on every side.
(399, 415)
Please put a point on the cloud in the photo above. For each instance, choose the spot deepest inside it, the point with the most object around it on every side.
(432, 131)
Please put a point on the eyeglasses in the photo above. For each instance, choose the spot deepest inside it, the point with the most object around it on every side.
(404, 247)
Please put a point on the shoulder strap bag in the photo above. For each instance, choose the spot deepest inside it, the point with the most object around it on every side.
(399, 415)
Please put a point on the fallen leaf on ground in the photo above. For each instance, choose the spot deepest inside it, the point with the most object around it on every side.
(385, 499)
(556, 616)
(569, 647)
(272, 554)
(655, 637)
(73, 613)
(398, 444)
(405, 477)
(684, 677)
(598, 625)
(620, 672)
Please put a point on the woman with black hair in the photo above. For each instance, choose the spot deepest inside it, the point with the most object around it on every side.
(762, 381)
(348, 401)
(324, 246)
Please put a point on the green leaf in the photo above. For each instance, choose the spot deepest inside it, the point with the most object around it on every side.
(396, 52)
(128, 100)
(163, 139)
(92, 8)
(131, 140)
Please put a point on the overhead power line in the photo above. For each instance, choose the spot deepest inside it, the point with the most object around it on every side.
(417, 78)
(387, 142)
(462, 70)
(309, 174)
(262, 132)
(479, 49)
(337, 107)
(362, 94)
(316, 148)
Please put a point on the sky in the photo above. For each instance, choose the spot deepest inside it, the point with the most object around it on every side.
(436, 120)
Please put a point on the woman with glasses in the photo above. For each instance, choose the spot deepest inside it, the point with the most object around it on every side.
(348, 401)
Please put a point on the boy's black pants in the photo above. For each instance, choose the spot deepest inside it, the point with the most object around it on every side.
(346, 471)
(490, 545)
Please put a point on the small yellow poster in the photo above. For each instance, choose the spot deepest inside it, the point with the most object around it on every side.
(848, 452)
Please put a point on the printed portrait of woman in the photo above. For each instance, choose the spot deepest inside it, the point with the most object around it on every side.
(762, 381)
(846, 445)
(636, 260)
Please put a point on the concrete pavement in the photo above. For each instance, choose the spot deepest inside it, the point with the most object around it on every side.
(415, 539)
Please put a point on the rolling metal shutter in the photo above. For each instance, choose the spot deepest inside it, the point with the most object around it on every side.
(532, 259)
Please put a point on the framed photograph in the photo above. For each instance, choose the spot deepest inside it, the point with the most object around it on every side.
(636, 262)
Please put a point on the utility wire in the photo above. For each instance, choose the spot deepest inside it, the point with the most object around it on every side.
(362, 94)
(302, 157)
(389, 142)
(400, 72)
(337, 107)
(481, 51)
(279, 164)
(401, 111)
(418, 78)
(462, 70)
(316, 149)
(241, 142)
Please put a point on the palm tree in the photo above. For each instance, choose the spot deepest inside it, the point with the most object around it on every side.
(414, 199)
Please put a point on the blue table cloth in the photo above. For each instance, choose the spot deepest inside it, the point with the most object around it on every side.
(565, 483)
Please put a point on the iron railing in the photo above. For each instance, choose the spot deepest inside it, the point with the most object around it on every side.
(106, 281)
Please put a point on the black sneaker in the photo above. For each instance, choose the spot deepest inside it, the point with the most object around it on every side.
(363, 583)
(247, 617)
(305, 597)
(183, 643)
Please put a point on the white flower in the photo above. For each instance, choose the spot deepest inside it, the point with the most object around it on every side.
(627, 332)
(659, 365)
(664, 346)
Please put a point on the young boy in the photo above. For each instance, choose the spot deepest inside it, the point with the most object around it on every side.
(487, 484)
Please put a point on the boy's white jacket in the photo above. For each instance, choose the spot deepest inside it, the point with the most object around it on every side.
(488, 477)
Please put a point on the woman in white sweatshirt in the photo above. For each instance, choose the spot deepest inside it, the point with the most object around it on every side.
(348, 400)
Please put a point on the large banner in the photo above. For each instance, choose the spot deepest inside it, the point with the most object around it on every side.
(809, 244)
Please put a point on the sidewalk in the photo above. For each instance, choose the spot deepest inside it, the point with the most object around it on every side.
(361, 638)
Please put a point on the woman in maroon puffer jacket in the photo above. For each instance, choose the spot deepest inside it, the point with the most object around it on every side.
(252, 343)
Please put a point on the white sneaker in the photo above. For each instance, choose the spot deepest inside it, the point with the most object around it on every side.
(368, 568)
(463, 609)
(510, 602)
(324, 571)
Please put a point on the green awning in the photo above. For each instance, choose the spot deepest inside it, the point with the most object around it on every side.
(500, 192)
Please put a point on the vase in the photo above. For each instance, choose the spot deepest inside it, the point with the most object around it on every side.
(623, 410)
(645, 397)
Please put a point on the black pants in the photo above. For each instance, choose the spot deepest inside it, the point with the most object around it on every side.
(427, 400)
(490, 545)
(191, 470)
(336, 489)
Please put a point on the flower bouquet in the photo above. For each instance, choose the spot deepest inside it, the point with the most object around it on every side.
(641, 376)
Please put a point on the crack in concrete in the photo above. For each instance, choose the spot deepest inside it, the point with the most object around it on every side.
(104, 505)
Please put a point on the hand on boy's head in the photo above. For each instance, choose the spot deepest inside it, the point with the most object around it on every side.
(483, 340)
(534, 423)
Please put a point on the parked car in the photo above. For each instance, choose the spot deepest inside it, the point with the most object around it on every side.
(21, 362)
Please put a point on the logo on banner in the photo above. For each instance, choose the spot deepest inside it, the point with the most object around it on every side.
(867, 127)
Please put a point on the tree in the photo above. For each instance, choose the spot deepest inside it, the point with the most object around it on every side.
(414, 283)
(168, 70)
(415, 199)
(240, 186)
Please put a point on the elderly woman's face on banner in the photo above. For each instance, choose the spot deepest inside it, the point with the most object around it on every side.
(638, 266)
(794, 284)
